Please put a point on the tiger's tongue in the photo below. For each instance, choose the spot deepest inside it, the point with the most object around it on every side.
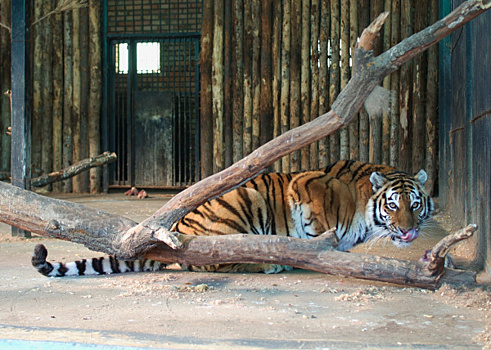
(410, 235)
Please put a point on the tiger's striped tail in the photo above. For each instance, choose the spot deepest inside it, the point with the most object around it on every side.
(95, 266)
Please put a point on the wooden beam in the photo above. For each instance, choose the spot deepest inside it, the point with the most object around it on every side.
(21, 111)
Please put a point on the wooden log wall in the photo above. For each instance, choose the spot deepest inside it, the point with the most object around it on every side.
(66, 91)
(4, 87)
(289, 61)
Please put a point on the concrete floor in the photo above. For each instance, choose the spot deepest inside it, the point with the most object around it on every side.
(175, 309)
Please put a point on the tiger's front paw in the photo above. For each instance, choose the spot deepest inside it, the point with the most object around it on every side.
(273, 268)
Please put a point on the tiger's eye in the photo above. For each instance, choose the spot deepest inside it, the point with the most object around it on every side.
(416, 206)
(392, 206)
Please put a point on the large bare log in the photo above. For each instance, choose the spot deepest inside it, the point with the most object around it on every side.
(125, 239)
(77, 168)
(94, 229)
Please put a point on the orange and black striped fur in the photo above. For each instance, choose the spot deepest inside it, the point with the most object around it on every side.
(362, 201)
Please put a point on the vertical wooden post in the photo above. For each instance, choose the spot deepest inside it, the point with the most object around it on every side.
(324, 104)
(227, 85)
(95, 93)
(256, 72)
(419, 92)
(354, 125)
(276, 66)
(77, 181)
(386, 84)
(37, 79)
(334, 74)
(47, 92)
(305, 77)
(248, 28)
(364, 143)
(285, 77)
(395, 86)
(206, 122)
(266, 99)
(84, 95)
(375, 144)
(405, 136)
(314, 66)
(68, 97)
(431, 107)
(5, 80)
(238, 104)
(344, 137)
(21, 112)
(217, 87)
(295, 63)
(57, 132)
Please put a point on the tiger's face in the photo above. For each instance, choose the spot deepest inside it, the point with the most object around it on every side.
(398, 207)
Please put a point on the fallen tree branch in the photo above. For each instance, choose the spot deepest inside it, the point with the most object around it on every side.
(94, 229)
(74, 169)
(125, 239)
(436, 257)
(316, 254)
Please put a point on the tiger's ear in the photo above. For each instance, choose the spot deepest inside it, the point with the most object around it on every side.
(421, 177)
(377, 180)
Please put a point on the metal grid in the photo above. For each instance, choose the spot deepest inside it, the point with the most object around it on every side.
(153, 113)
(153, 16)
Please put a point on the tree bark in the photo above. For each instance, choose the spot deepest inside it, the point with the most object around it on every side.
(314, 66)
(344, 137)
(266, 100)
(419, 93)
(295, 76)
(76, 101)
(395, 87)
(324, 102)
(256, 72)
(334, 75)
(276, 65)
(125, 239)
(57, 132)
(68, 97)
(95, 65)
(405, 90)
(248, 28)
(217, 87)
(37, 80)
(5, 85)
(206, 117)
(355, 124)
(431, 109)
(238, 93)
(227, 86)
(305, 78)
(47, 91)
(285, 78)
(386, 84)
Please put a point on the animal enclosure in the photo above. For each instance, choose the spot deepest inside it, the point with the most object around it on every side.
(244, 72)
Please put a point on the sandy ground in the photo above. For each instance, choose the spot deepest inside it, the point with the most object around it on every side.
(176, 309)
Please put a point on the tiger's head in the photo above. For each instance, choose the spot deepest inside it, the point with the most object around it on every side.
(398, 207)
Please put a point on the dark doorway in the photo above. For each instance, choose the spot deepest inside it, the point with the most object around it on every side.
(152, 92)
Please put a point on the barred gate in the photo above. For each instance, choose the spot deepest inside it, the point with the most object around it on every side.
(153, 94)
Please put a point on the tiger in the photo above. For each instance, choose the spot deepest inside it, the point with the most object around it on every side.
(361, 201)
